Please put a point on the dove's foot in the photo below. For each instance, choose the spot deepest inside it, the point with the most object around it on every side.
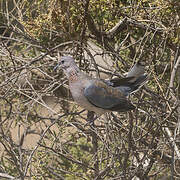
(90, 119)
(91, 122)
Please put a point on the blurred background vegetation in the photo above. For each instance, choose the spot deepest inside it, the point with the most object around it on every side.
(43, 133)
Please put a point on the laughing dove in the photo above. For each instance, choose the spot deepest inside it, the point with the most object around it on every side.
(101, 96)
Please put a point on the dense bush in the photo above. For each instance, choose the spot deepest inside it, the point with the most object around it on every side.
(43, 134)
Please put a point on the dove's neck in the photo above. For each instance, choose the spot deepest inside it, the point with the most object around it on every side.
(72, 73)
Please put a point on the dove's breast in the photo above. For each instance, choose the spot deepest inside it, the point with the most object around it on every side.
(77, 90)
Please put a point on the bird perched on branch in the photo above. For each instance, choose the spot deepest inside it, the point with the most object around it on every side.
(101, 96)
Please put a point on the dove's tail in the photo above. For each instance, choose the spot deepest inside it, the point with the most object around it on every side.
(138, 83)
(128, 85)
(134, 79)
(133, 86)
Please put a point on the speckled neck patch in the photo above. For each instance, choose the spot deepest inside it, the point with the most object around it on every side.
(73, 76)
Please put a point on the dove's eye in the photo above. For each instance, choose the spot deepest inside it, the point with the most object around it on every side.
(62, 62)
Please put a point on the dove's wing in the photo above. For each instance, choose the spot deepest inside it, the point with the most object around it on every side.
(103, 96)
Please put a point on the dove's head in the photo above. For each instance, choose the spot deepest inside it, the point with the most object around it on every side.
(67, 63)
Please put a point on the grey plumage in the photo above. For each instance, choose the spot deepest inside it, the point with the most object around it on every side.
(102, 96)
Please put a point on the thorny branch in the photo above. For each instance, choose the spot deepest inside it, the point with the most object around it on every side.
(35, 103)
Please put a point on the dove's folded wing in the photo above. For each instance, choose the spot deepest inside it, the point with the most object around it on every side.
(103, 96)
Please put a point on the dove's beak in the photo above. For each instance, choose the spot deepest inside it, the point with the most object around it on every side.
(57, 66)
